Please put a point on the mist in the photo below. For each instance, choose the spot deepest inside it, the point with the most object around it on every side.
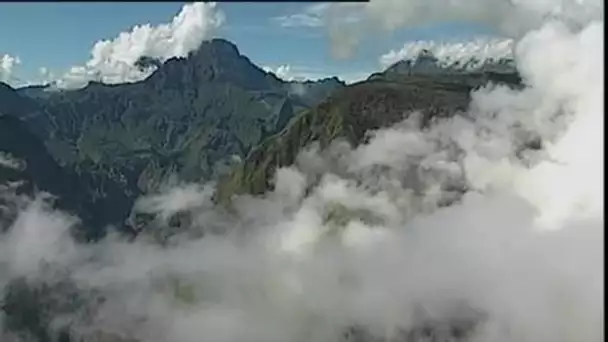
(471, 55)
(459, 225)
(506, 18)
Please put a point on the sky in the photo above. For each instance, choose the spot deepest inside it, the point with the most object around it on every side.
(291, 39)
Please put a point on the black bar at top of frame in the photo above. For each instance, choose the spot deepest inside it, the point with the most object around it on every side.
(250, 1)
(244, 1)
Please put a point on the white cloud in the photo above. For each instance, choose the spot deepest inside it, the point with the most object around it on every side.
(353, 77)
(288, 72)
(8, 161)
(46, 76)
(112, 61)
(40, 235)
(510, 18)
(7, 66)
(449, 53)
(282, 71)
(314, 15)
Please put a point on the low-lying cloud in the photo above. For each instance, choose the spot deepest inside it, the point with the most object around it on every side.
(472, 53)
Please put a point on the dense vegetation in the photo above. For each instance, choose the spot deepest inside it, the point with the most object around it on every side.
(350, 112)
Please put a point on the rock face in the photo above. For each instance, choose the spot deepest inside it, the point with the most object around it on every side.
(188, 119)
(349, 113)
(98, 148)
(26, 168)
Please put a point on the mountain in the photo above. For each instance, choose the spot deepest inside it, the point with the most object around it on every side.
(12, 102)
(194, 114)
(99, 147)
(425, 63)
(189, 118)
(96, 149)
(26, 167)
(471, 72)
(35, 91)
(347, 113)
(350, 112)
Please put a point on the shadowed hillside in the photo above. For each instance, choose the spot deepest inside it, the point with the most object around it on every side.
(382, 100)
(188, 118)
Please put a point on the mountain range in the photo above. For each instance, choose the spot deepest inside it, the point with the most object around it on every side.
(187, 121)
(212, 116)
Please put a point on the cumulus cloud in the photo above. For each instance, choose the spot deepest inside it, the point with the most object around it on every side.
(458, 229)
(7, 66)
(114, 61)
(480, 50)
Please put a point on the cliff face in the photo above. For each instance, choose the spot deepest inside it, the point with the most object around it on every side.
(26, 168)
(188, 118)
(98, 148)
(382, 100)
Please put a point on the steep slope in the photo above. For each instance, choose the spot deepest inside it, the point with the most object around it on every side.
(472, 73)
(188, 118)
(12, 102)
(35, 91)
(380, 101)
(27, 167)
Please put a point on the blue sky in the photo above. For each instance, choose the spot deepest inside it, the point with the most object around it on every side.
(60, 35)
